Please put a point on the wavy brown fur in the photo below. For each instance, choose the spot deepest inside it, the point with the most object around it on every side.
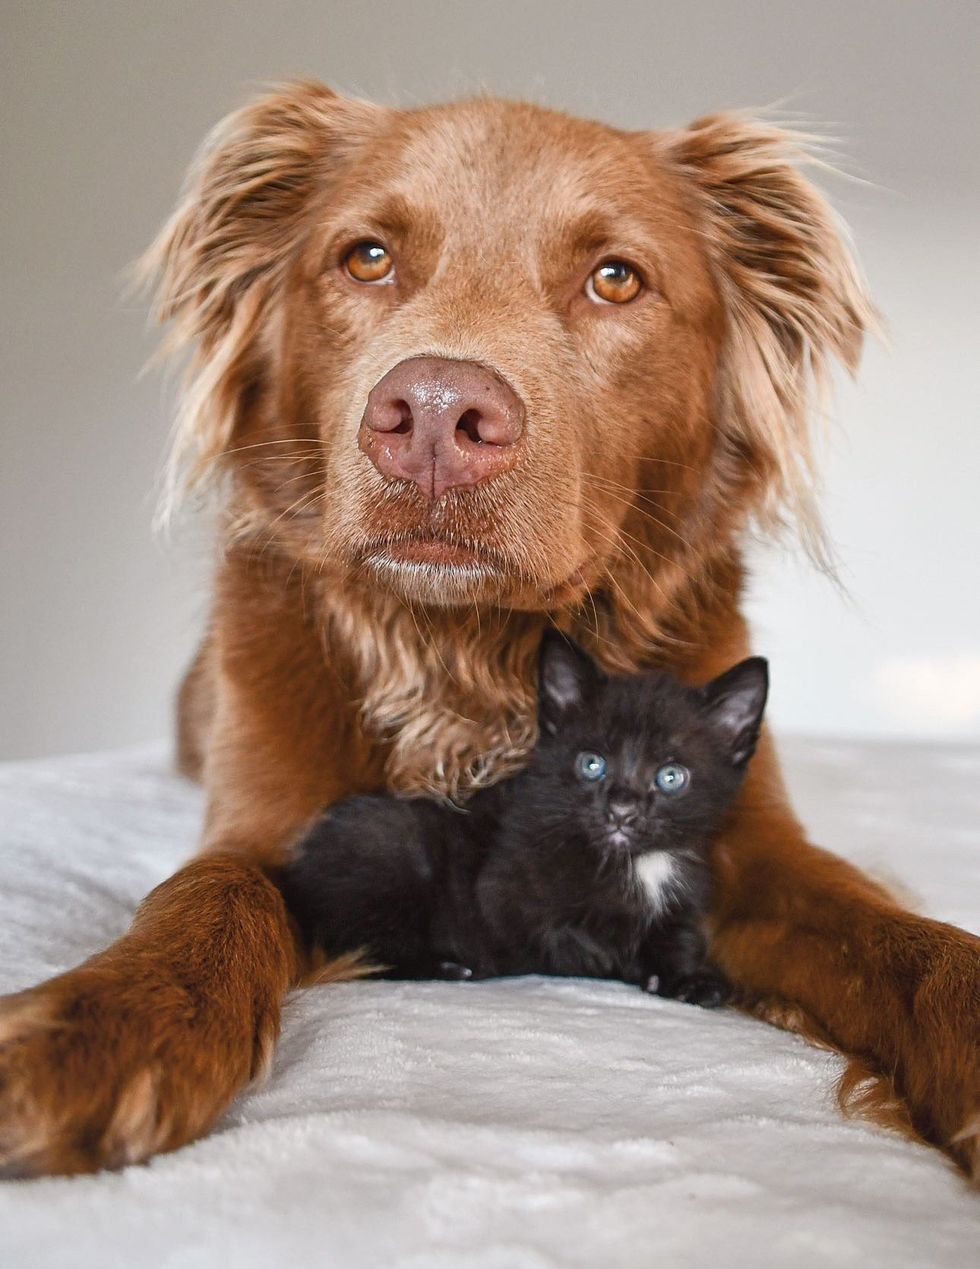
(796, 300)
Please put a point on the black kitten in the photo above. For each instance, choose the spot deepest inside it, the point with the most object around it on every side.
(592, 861)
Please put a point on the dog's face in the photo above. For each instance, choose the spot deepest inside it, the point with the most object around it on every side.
(488, 353)
(465, 254)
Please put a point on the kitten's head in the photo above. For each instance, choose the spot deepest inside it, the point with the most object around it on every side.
(640, 763)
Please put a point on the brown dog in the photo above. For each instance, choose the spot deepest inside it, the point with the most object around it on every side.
(465, 371)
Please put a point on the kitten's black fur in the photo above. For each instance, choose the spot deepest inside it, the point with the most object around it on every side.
(550, 872)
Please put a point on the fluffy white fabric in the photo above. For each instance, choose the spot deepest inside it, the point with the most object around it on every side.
(507, 1125)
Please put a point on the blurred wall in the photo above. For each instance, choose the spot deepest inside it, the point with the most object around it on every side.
(102, 106)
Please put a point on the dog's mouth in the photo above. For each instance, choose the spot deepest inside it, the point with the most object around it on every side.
(436, 569)
(448, 571)
(478, 546)
(434, 552)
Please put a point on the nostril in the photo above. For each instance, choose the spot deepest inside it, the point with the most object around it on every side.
(403, 412)
(469, 425)
(390, 415)
(493, 428)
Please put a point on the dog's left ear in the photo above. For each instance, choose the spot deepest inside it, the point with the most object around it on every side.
(735, 702)
(222, 260)
(793, 296)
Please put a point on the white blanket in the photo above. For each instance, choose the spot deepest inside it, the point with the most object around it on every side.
(520, 1124)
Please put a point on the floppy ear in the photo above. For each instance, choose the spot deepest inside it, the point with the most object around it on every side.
(793, 295)
(566, 676)
(222, 258)
(735, 702)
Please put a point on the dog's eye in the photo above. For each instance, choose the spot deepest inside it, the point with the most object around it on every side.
(614, 282)
(369, 262)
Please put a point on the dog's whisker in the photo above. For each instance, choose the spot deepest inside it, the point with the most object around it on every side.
(630, 503)
(664, 462)
(620, 533)
(312, 442)
(616, 542)
(639, 490)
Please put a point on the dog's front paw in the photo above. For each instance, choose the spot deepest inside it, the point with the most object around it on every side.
(70, 1101)
(99, 1070)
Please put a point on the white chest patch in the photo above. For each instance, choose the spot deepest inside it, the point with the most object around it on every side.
(655, 873)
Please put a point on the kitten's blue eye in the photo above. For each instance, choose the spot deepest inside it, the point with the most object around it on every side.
(590, 766)
(672, 778)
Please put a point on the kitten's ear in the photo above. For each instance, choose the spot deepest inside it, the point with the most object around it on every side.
(565, 677)
(735, 702)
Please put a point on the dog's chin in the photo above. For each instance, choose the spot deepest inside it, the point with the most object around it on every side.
(438, 572)
(450, 554)
(461, 579)
(452, 581)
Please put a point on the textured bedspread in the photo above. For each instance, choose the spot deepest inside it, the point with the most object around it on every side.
(504, 1125)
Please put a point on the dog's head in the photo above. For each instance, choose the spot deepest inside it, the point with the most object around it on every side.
(488, 353)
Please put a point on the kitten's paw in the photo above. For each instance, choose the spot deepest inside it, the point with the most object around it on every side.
(705, 987)
(453, 972)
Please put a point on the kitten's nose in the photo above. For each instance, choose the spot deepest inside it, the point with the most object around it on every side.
(622, 808)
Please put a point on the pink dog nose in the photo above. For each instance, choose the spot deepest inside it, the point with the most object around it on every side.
(443, 424)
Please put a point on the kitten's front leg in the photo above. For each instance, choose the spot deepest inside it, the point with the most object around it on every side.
(426, 967)
(706, 987)
(674, 964)
(453, 972)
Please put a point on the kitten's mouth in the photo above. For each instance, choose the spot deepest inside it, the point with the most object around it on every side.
(624, 839)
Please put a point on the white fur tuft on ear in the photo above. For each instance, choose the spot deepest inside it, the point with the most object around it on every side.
(794, 297)
(565, 677)
(735, 703)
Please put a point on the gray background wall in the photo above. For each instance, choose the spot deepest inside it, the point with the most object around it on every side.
(102, 106)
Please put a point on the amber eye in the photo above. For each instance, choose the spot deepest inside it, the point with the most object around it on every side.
(368, 262)
(614, 282)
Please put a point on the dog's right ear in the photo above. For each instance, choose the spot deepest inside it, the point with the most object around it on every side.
(221, 260)
(566, 677)
(794, 296)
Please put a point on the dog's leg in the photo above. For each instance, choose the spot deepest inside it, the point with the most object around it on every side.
(195, 712)
(814, 945)
(141, 1048)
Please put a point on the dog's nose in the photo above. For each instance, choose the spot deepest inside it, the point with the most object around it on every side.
(443, 424)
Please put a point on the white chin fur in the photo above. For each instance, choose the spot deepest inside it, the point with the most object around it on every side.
(437, 583)
(655, 873)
